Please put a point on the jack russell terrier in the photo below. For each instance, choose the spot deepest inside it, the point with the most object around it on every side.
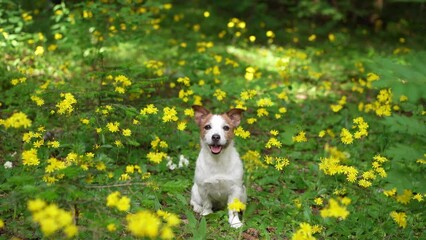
(218, 176)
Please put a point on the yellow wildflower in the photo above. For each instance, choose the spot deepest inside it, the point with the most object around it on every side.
(405, 197)
(334, 210)
(149, 110)
(300, 137)
(399, 218)
(169, 114)
(273, 142)
(17, 120)
(67, 104)
(156, 157)
(345, 136)
(240, 132)
(111, 227)
(127, 132)
(113, 127)
(236, 205)
(29, 157)
(143, 224)
(219, 94)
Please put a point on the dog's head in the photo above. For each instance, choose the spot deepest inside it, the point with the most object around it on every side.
(217, 130)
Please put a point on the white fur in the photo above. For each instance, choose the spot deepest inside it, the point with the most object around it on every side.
(218, 177)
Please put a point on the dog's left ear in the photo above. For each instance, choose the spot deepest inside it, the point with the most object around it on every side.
(235, 116)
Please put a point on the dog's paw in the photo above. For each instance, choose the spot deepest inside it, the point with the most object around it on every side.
(198, 209)
(235, 221)
(236, 225)
(206, 212)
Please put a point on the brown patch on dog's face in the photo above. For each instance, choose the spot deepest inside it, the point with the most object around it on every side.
(202, 118)
(229, 127)
(204, 125)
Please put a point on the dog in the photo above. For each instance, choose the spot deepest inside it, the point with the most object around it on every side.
(218, 177)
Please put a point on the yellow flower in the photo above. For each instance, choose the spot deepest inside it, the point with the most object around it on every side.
(51, 218)
(262, 112)
(123, 204)
(111, 227)
(405, 197)
(312, 38)
(38, 100)
(236, 205)
(17, 120)
(280, 163)
(274, 132)
(300, 137)
(336, 107)
(181, 126)
(66, 105)
(345, 136)
(170, 218)
(113, 199)
(219, 94)
(39, 51)
(149, 110)
(29, 157)
(270, 34)
(390, 193)
(143, 224)
(169, 114)
(251, 120)
(418, 197)
(372, 77)
(334, 210)
(273, 142)
(184, 80)
(364, 183)
(70, 231)
(127, 132)
(399, 218)
(1, 224)
(85, 121)
(156, 157)
(36, 205)
(113, 127)
(58, 36)
(305, 232)
(318, 201)
(264, 102)
(240, 132)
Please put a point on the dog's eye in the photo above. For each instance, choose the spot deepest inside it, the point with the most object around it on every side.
(207, 127)
(226, 128)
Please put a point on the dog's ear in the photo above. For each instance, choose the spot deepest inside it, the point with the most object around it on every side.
(235, 116)
(200, 113)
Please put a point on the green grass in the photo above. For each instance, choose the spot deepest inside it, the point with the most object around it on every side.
(300, 80)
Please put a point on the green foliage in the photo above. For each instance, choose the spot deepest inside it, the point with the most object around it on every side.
(96, 125)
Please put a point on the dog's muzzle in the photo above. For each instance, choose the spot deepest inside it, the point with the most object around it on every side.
(215, 148)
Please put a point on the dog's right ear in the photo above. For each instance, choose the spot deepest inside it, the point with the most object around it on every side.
(200, 113)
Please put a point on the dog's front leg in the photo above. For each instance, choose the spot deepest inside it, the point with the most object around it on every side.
(240, 194)
(206, 203)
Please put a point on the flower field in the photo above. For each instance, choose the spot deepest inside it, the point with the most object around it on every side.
(98, 140)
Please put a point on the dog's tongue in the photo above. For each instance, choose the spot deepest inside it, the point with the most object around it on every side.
(215, 149)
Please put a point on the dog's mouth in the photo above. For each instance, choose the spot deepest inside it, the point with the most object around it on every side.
(215, 148)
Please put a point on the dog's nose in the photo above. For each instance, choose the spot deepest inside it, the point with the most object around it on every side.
(216, 137)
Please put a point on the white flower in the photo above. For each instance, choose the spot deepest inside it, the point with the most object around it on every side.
(8, 164)
(183, 162)
(170, 163)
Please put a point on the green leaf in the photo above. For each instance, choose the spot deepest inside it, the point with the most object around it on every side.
(404, 124)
